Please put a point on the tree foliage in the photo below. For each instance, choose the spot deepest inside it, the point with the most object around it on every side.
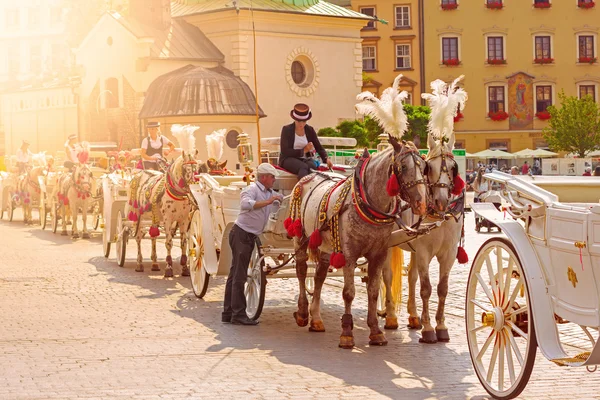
(575, 126)
(367, 130)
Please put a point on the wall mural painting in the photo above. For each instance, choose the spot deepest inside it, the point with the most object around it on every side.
(520, 101)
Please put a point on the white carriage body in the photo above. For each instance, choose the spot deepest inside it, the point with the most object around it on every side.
(558, 244)
(115, 194)
(8, 181)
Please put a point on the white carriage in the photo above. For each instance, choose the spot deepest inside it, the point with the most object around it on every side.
(115, 195)
(218, 204)
(536, 287)
(8, 183)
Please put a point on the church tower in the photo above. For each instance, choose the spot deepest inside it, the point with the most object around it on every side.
(156, 13)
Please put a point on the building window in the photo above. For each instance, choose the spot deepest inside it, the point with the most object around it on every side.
(499, 144)
(409, 99)
(232, 139)
(542, 48)
(495, 48)
(403, 56)
(12, 18)
(541, 3)
(59, 57)
(112, 93)
(35, 59)
(298, 72)
(402, 16)
(586, 47)
(369, 54)
(370, 11)
(55, 15)
(543, 98)
(587, 90)
(449, 49)
(13, 60)
(496, 99)
(449, 3)
(34, 17)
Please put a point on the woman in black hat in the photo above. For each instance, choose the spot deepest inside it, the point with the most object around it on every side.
(299, 142)
(152, 146)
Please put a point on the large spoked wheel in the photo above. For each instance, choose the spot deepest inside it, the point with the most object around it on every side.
(43, 212)
(500, 330)
(255, 285)
(11, 209)
(198, 274)
(54, 216)
(106, 242)
(123, 237)
(96, 218)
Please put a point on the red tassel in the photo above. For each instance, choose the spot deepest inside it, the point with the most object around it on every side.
(288, 221)
(135, 204)
(154, 231)
(181, 183)
(392, 186)
(459, 185)
(297, 228)
(148, 207)
(315, 240)
(66, 201)
(339, 261)
(462, 255)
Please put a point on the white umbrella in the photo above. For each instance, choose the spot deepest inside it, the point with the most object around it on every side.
(525, 153)
(493, 154)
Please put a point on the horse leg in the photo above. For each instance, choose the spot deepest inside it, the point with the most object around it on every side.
(414, 322)
(153, 256)
(391, 319)
(169, 244)
(347, 337)
(140, 259)
(316, 322)
(84, 210)
(427, 333)
(185, 270)
(301, 316)
(63, 213)
(376, 261)
(74, 231)
(446, 262)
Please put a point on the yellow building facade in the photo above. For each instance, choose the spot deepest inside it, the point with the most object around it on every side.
(516, 55)
(393, 48)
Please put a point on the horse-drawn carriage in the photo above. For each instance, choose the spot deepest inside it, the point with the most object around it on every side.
(531, 288)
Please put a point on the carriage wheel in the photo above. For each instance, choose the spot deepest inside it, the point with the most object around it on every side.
(96, 221)
(121, 240)
(54, 216)
(43, 212)
(500, 330)
(255, 285)
(11, 209)
(198, 274)
(106, 242)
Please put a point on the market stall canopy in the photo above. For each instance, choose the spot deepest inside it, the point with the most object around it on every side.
(538, 153)
(469, 155)
(193, 90)
(485, 154)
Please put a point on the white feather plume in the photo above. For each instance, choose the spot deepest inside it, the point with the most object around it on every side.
(444, 102)
(214, 144)
(388, 110)
(185, 137)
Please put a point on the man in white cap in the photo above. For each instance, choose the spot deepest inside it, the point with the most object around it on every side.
(257, 201)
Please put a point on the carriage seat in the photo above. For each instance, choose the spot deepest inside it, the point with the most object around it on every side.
(273, 142)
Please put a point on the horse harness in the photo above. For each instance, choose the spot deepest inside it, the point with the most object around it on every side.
(444, 170)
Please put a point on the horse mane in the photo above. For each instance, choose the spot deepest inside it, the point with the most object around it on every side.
(388, 110)
(214, 144)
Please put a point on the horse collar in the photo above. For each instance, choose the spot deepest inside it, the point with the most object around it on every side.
(172, 191)
(363, 207)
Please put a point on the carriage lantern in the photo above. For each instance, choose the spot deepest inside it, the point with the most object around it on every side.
(383, 142)
(244, 150)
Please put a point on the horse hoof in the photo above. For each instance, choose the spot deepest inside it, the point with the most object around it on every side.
(64, 233)
(140, 268)
(442, 335)
(391, 323)
(85, 236)
(299, 320)
(381, 314)
(316, 326)
(428, 337)
(414, 323)
(185, 271)
(168, 273)
(346, 342)
(378, 340)
(75, 236)
(155, 267)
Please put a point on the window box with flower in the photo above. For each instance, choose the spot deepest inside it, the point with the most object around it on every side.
(451, 62)
(585, 4)
(458, 116)
(588, 60)
(498, 115)
(449, 6)
(544, 60)
(494, 4)
(542, 4)
(543, 115)
(496, 61)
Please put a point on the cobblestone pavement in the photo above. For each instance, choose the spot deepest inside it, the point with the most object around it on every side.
(76, 325)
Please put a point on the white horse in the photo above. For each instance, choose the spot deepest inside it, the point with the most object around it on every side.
(447, 204)
(73, 193)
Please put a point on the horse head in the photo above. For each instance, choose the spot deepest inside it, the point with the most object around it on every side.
(409, 170)
(444, 181)
(82, 176)
(184, 170)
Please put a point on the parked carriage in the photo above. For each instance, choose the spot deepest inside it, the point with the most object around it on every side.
(8, 182)
(115, 194)
(535, 287)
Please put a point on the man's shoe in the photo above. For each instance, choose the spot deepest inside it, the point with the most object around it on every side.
(226, 318)
(243, 321)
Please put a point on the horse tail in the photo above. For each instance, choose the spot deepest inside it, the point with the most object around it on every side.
(314, 254)
(397, 265)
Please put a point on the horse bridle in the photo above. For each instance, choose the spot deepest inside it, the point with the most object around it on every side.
(444, 170)
(396, 168)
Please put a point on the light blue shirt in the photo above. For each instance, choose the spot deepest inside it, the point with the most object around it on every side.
(249, 219)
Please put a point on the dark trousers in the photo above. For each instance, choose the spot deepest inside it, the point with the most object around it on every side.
(150, 165)
(298, 166)
(242, 244)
